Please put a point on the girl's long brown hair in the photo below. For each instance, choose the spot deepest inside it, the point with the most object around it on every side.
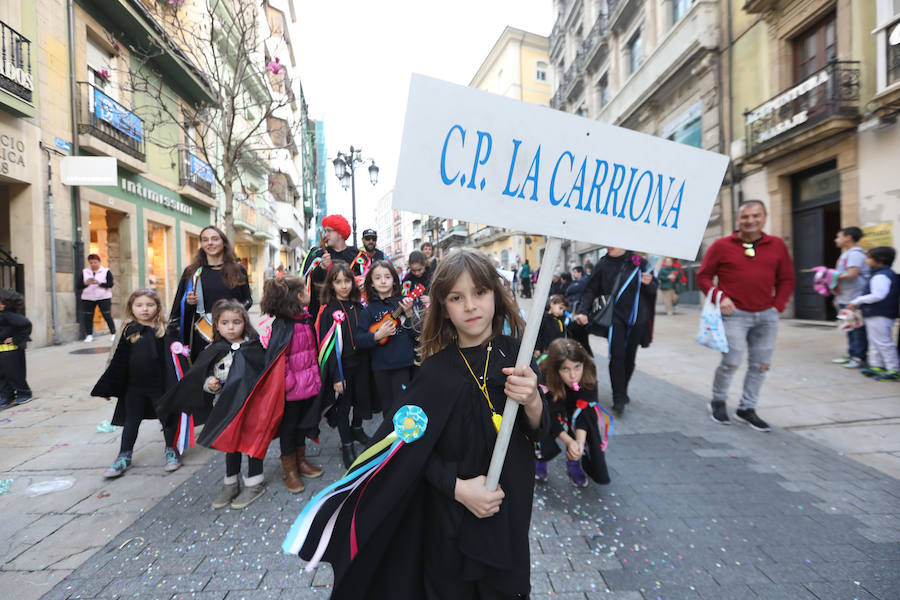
(281, 297)
(231, 270)
(159, 321)
(232, 306)
(561, 350)
(339, 267)
(371, 294)
(438, 330)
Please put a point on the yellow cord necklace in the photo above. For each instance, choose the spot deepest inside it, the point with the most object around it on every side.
(495, 416)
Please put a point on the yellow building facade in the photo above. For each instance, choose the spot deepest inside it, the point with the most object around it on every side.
(518, 67)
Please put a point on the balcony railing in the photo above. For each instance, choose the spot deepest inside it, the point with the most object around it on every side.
(244, 215)
(195, 173)
(829, 92)
(572, 80)
(594, 41)
(104, 118)
(557, 39)
(15, 59)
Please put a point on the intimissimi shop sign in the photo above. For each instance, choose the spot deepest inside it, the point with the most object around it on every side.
(135, 187)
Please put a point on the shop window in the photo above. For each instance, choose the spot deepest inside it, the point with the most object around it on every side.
(157, 260)
(634, 52)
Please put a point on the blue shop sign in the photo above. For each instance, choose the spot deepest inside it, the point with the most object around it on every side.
(201, 170)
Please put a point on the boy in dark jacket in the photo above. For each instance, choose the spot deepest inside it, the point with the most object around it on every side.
(553, 324)
(15, 331)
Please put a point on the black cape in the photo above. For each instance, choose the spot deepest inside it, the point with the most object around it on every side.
(594, 459)
(401, 506)
(188, 395)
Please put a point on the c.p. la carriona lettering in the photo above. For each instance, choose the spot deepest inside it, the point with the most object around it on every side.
(584, 183)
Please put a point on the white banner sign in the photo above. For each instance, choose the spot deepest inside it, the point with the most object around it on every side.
(88, 170)
(478, 157)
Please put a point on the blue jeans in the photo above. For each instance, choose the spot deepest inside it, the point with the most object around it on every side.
(753, 332)
(857, 340)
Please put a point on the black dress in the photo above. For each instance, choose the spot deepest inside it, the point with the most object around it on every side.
(183, 315)
(563, 418)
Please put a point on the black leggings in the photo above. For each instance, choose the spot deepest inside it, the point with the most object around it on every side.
(233, 465)
(136, 401)
(287, 433)
(89, 307)
(388, 385)
(345, 402)
(12, 375)
(622, 354)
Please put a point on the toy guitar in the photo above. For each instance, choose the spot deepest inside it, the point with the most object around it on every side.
(395, 315)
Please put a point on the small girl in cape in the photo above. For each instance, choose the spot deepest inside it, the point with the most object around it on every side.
(575, 414)
(136, 377)
(339, 357)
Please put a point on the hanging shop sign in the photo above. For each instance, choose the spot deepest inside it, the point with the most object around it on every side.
(483, 158)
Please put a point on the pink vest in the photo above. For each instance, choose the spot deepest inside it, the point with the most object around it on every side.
(301, 373)
(94, 291)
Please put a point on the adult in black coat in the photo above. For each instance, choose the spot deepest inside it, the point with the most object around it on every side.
(622, 275)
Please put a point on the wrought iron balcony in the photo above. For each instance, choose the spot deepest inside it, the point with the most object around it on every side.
(194, 172)
(595, 42)
(15, 63)
(107, 120)
(829, 92)
(557, 39)
(572, 80)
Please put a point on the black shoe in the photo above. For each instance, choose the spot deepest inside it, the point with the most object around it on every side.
(627, 399)
(619, 408)
(749, 417)
(718, 413)
(360, 436)
(348, 454)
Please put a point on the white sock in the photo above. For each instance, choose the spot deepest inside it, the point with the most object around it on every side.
(231, 479)
(252, 481)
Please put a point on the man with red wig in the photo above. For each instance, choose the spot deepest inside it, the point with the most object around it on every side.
(332, 247)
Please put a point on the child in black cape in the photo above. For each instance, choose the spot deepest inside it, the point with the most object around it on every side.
(339, 357)
(576, 418)
(137, 376)
(393, 362)
(15, 332)
(553, 324)
(218, 384)
(413, 518)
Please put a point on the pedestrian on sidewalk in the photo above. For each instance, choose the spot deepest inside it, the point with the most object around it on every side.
(525, 278)
(853, 275)
(669, 285)
(427, 526)
(880, 305)
(96, 285)
(214, 274)
(218, 385)
(576, 418)
(623, 276)
(393, 361)
(136, 376)
(293, 351)
(339, 358)
(756, 276)
(15, 333)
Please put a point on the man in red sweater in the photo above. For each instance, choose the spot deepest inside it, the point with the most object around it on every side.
(756, 275)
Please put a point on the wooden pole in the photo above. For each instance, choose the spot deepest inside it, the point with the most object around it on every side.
(526, 351)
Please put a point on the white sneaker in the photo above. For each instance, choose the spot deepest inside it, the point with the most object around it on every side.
(112, 337)
(854, 363)
(89, 339)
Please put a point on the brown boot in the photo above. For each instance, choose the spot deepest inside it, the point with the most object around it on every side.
(306, 469)
(291, 476)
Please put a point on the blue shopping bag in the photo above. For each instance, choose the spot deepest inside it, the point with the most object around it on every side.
(711, 332)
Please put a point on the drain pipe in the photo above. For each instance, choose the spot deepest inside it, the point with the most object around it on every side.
(77, 231)
(54, 315)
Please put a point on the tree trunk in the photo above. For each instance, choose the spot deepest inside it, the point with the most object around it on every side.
(228, 184)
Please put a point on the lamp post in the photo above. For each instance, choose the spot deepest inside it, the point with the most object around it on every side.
(345, 170)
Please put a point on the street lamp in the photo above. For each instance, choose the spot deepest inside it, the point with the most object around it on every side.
(345, 171)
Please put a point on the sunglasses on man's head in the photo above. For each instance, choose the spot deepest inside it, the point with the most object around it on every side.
(749, 249)
(370, 238)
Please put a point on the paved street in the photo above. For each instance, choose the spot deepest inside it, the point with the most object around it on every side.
(695, 510)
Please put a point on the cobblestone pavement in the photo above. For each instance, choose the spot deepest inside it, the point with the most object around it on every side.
(695, 510)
